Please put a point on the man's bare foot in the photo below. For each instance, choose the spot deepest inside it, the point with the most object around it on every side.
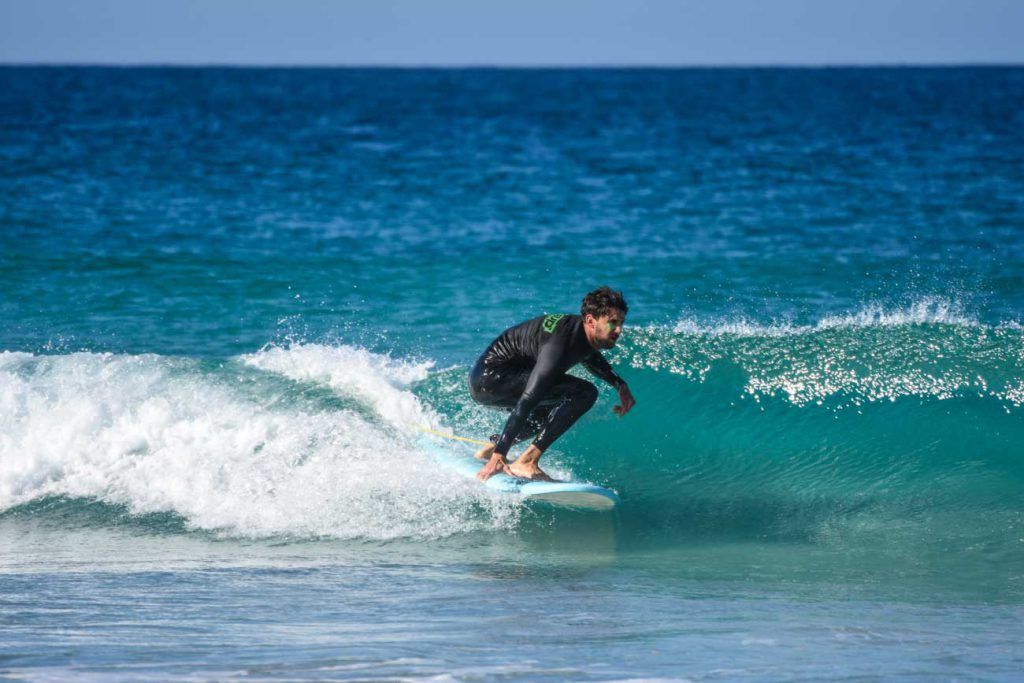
(485, 452)
(525, 467)
(496, 464)
(529, 471)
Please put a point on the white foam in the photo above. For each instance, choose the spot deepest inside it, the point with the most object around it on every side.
(379, 380)
(928, 310)
(741, 327)
(160, 434)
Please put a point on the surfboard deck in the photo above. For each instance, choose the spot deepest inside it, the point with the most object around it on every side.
(570, 494)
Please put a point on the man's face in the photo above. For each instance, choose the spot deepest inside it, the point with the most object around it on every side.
(607, 329)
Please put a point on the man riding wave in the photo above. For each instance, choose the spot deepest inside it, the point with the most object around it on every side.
(524, 371)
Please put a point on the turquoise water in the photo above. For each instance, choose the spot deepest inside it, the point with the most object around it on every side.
(229, 297)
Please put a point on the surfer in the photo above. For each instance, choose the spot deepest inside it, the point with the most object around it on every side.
(524, 371)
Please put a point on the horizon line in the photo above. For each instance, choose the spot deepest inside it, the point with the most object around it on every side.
(512, 66)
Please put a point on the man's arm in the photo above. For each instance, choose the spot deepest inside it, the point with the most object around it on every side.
(597, 365)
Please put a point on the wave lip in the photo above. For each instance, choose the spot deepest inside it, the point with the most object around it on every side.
(926, 311)
(379, 380)
(930, 349)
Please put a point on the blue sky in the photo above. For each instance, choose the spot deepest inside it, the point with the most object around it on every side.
(521, 32)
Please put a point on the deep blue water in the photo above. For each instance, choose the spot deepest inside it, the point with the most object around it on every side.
(229, 296)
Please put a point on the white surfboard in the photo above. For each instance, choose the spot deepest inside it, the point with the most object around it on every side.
(571, 494)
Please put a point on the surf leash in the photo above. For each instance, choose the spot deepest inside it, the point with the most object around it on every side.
(452, 436)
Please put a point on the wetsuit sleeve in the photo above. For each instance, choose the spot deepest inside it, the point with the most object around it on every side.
(549, 367)
(599, 367)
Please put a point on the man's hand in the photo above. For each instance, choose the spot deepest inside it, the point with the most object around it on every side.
(626, 401)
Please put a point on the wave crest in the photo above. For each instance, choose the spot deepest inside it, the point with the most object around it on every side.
(931, 349)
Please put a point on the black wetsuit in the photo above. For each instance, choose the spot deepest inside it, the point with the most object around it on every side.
(523, 370)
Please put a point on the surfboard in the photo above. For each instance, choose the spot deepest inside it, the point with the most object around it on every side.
(569, 494)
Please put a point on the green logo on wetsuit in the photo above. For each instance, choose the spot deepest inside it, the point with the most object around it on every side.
(551, 321)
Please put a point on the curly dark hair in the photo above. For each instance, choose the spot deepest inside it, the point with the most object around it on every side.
(601, 301)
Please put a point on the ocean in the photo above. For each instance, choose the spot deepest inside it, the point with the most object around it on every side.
(230, 298)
